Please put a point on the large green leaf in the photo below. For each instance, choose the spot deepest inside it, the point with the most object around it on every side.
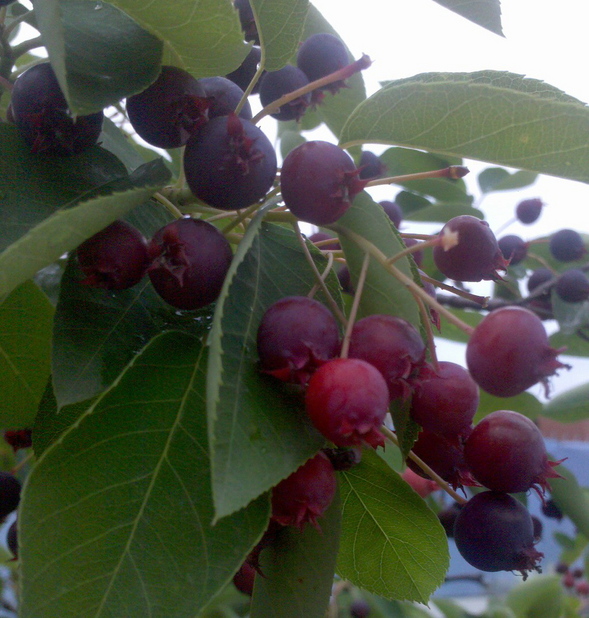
(99, 54)
(490, 115)
(280, 28)
(499, 179)
(524, 403)
(391, 544)
(485, 13)
(571, 499)
(570, 406)
(258, 431)
(116, 515)
(540, 597)
(298, 570)
(65, 229)
(25, 352)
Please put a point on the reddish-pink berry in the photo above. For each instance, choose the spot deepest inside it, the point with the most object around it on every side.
(423, 487)
(347, 400)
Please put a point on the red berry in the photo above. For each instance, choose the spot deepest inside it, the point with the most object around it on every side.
(495, 532)
(568, 580)
(18, 438)
(393, 346)
(296, 335)
(115, 258)
(191, 259)
(421, 486)
(444, 401)
(319, 181)
(506, 452)
(244, 579)
(582, 588)
(306, 494)
(528, 211)
(509, 351)
(347, 400)
(476, 256)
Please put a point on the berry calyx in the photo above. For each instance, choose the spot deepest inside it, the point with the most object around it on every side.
(319, 182)
(296, 336)
(306, 494)
(506, 452)
(347, 400)
(508, 352)
(230, 164)
(528, 211)
(115, 258)
(190, 260)
(495, 532)
(513, 248)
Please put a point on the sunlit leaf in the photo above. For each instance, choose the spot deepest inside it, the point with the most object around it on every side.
(499, 179)
(570, 406)
(485, 13)
(571, 499)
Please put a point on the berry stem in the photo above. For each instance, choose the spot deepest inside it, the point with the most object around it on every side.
(481, 301)
(164, 201)
(359, 65)
(390, 435)
(329, 266)
(22, 463)
(453, 172)
(427, 324)
(26, 46)
(417, 290)
(354, 308)
(432, 242)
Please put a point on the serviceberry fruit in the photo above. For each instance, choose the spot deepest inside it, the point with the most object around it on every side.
(345, 280)
(476, 256)
(538, 528)
(12, 539)
(276, 84)
(115, 258)
(244, 579)
(539, 277)
(506, 452)
(393, 346)
(359, 608)
(513, 248)
(370, 166)
(567, 246)
(568, 580)
(169, 111)
(319, 182)
(223, 95)
(247, 20)
(417, 255)
(572, 286)
(495, 532)
(42, 116)
(190, 260)
(430, 288)
(320, 55)
(344, 458)
(230, 163)
(306, 494)
(296, 335)
(393, 211)
(245, 72)
(444, 400)
(420, 485)
(528, 211)
(508, 352)
(347, 400)
(10, 488)
(18, 438)
(448, 518)
(582, 588)
(551, 509)
(322, 236)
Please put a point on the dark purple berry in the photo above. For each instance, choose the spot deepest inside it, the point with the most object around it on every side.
(552, 510)
(508, 352)
(475, 257)
(319, 181)
(513, 248)
(448, 518)
(247, 20)
(572, 286)
(306, 494)
(343, 275)
(41, 114)
(322, 54)
(114, 259)
(321, 237)
(506, 452)
(371, 166)
(528, 211)
(169, 111)
(245, 72)
(393, 211)
(10, 488)
(230, 163)
(359, 608)
(18, 438)
(276, 84)
(223, 96)
(343, 458)
(539, 277)
(12, 539)
(417, 255)
(495, 532)
(347, 400)
(538, 528)
(191, 259)
(296, 335)
(567, 246)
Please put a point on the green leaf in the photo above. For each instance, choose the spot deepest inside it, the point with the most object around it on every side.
(499, 179)
(391, 543)
(571, 499)
(575, 345)
(25, 354)
(524, 403)
(452, 332)
(570, 316)
(65, 229)
(99, 54)
(450, 609)
(570, 406)
(280, 26)
(383, 293)
(485, 13)
(203, 37)
(540, 597)
(298, 570)
(258, 430)
(490, 116)
(130, 483)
